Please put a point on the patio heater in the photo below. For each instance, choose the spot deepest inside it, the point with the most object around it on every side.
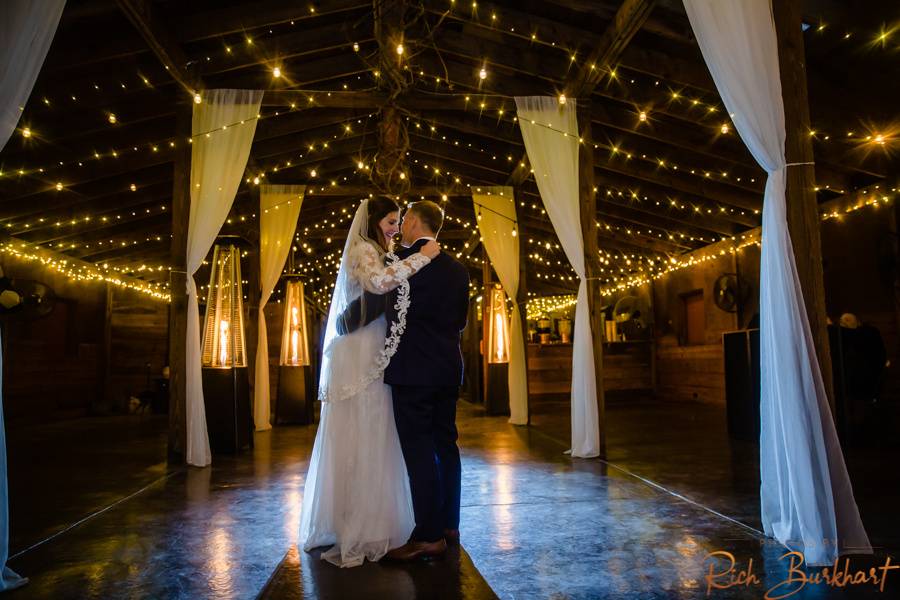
(296, 381)
(226, 388)
(497, 348)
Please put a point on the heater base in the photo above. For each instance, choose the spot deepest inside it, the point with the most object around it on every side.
(226, 394)
(296, 395)
(496, 396)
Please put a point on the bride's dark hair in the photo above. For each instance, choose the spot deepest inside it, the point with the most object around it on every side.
(379, 208)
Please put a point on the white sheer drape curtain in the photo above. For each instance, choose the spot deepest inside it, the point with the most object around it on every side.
(223, 126)
(279, 207)
(9, 579)
(495, 212)
(27, 28)
(806, 499)
(550, 132)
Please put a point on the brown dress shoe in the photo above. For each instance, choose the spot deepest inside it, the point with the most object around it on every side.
(452, 536)
(411, 551)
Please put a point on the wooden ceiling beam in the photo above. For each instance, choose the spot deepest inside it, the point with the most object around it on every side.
(831, 162)
(677, 182)
(192, 28)
(53, 227)
(625, 24)
(627, 21)
(266, 13)
(129, 163)
(689, 184)
(101, 196)
(143, 16)
(133, 227)
(310, 73)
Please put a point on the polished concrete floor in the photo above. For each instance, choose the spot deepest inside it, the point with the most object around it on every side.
(535, 523)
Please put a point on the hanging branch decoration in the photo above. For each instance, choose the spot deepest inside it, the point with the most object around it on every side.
(392, 18)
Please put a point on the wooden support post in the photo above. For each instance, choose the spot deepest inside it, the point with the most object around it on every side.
(522, 295)
(181, 208)
(588, 210)
(250, 271)
(105, 398)
(485, 319)
(802, 209)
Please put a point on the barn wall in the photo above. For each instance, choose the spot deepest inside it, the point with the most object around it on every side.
(857, 263)
(54, 366)
(695, 372)
(860, 265)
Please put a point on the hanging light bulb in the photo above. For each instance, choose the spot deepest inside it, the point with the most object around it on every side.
(642, 117)
(133, 187)
(59, 186)
(482, 74)
(725, 129)
(276, 72)
(400, 49)
(562, 99)
(112, 118)
(355, 47)
(26, 132)
(197, 99)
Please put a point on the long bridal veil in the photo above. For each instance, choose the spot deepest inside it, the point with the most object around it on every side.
(346, 361)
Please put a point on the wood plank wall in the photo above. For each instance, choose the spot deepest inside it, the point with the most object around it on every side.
(626, 366)
(54, 366)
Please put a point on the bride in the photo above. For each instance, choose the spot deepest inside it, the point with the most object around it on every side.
(357, 497)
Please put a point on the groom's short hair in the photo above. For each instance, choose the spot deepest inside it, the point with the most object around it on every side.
(429, 213)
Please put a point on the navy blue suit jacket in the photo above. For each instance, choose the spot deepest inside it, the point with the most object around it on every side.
(429, 352)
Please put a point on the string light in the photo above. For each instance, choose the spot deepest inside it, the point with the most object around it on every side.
(482, 75)
(77, 270)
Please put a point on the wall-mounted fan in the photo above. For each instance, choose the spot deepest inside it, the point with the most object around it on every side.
(731, 292)
(629, 307)
(25, 298)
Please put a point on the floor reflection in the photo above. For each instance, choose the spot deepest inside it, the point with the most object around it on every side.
(503, 497)
(535, 524)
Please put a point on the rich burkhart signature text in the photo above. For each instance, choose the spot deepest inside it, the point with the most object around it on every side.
(723, 574)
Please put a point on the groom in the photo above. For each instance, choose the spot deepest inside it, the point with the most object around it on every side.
(425, 374)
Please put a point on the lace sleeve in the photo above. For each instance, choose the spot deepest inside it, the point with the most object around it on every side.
(377, 278)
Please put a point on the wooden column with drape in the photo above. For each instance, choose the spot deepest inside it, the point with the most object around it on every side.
(522, 295)
(803, 219)
(181, 208)
(588, 211)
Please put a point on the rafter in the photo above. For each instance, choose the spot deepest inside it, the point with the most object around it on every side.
(143, 16)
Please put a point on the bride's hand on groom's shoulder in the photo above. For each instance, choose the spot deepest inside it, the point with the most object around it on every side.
(431, 249)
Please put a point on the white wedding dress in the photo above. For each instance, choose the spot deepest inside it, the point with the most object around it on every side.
(356, 498)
